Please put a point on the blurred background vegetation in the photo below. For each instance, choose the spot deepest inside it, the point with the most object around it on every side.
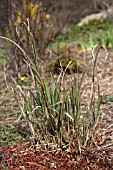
(53, 25)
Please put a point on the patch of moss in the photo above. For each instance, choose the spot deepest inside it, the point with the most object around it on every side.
(61, 64)
(9, 136)
(65, 62)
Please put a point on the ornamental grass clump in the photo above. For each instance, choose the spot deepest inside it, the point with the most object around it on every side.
(54, 114)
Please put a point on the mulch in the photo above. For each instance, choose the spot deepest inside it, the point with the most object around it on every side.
(26, 156)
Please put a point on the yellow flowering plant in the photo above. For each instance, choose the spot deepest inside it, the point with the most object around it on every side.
(23, 78)
(35, 17)
(33, 11)
(30, 16)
